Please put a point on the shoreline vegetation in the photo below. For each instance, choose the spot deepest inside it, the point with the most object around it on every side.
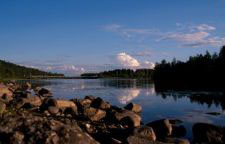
(203, 71)
(200, 71)
(11, 71)
(30, 114)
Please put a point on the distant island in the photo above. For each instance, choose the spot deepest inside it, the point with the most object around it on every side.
(10, 70)
(122, 73)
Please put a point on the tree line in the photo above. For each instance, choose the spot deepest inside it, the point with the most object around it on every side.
(122, 73)
(203, 70)
(10, 70)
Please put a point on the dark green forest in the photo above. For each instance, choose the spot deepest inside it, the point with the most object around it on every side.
(203, 70)
(122, 73)
(10, 70)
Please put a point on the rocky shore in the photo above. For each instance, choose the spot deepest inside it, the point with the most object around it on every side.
(30, 115)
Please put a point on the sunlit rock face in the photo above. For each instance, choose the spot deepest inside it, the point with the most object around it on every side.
(128, 95)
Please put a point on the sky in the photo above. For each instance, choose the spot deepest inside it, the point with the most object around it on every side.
(77, 36)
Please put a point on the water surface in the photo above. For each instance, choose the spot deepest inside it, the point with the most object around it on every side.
(188, 106)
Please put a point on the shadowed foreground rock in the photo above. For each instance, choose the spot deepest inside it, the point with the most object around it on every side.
(208, 133)
(26, 118)
(25, 127)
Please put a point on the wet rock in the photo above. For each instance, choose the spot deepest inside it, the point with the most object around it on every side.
(134, 107)
(176, 140)
(53, 110)
(2, 107)
(162, 128)
(145, 132)
(131, 117)
(94, 114)
(208, 133)
(101, 104)
(44, 92)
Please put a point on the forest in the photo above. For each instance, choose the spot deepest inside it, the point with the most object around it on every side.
(122, 73)
(203, 70)
(9, 70)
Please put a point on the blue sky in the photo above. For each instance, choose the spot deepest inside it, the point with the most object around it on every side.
(76, 36)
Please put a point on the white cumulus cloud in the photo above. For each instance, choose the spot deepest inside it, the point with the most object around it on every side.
(127, 61)
(148, 64)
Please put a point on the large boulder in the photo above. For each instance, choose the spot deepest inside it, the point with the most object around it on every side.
(134, 107)
(162, 128)
(101, 104)
(129, 116)
(94, 114)
(208, 133)
(65, 104)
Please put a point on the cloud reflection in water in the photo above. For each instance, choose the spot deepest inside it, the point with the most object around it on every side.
(128, 95)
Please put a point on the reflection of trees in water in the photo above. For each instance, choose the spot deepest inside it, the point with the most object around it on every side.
(127, 83)
(40, 83)
(216, 99)
(209, 98)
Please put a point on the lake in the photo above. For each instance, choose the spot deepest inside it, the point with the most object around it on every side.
(189, 106)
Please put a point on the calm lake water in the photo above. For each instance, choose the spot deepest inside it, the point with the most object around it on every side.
(188, 106)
